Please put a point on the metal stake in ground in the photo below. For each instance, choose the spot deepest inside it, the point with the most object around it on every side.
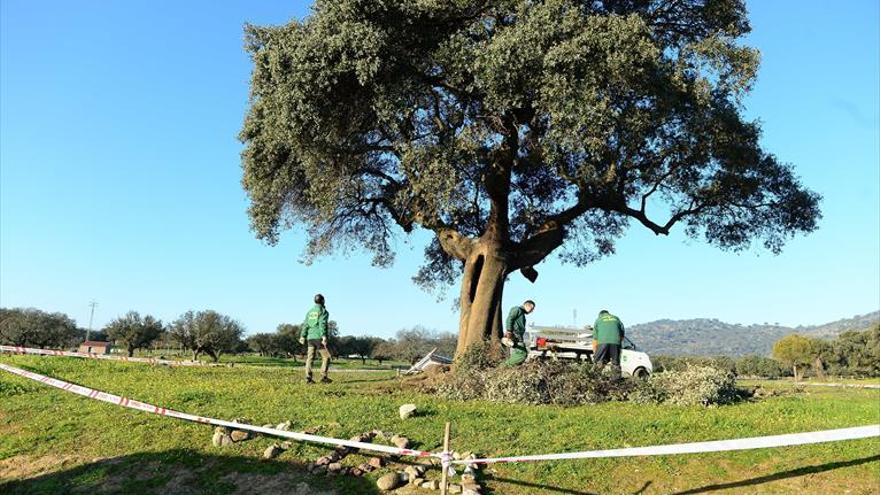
(445, 462)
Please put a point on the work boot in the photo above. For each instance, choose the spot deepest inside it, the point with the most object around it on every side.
(309, 380)
(326, 379)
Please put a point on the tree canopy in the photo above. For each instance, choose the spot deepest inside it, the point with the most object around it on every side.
(511, 128)
(133, 331)
(795, 350)
(36, 328)
(207, 332)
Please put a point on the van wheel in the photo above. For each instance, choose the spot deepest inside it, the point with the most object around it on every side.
(641, 373)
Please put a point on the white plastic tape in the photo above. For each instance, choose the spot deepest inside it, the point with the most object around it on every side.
(786, 440)
(143, 406)
(700, 447)
(110, 357)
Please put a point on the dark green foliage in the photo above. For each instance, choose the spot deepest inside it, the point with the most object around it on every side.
(760, 366)
(530, 125)
(34, 328)
(262, 343)
(853, 353)
(360, 346)
(207, 332)
(133, 331)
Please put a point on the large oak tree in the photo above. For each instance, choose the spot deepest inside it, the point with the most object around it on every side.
(510, 129)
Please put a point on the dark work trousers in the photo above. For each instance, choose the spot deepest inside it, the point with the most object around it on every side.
(608, 353)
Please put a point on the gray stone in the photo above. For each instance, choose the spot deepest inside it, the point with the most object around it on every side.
(366, 468)
(323, 461)
(356, 472)
(400, 442)
(388, 482)
(217, 439)
(412, 471)
(416, 481)
(334, 467)
(272, 451)
(431, 485)
(270, 425)
(377, 462)
(225, 440)
(286, 445)
(285, 426)
(407, 410)
(470, 491)
(454, 488)
(240, 435)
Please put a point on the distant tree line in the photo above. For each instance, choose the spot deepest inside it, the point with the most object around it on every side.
(408, 344)
(853, 353)
(212, 334)
(203, 332)
(850, 354)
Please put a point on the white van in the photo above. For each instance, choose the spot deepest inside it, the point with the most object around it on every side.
(577, 344)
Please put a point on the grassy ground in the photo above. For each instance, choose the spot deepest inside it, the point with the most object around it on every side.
(257, 360)
(55, 442)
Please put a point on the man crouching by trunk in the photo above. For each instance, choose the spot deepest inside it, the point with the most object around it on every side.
(515, 333)
(608, 335)
(314, 336)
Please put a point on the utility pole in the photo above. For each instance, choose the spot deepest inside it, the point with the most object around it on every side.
(92, 305)
(574, 317)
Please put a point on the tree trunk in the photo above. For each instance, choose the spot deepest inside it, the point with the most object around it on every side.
(820, 368)
(480, 300)
(130, 351)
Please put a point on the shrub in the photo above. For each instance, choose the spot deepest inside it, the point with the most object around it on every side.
(533, 383)
(458, 386)
(697, 385)
(526, 384)
(577, 384)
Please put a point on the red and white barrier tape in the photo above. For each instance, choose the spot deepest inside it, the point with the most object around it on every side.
(142, 406)
(109, 357)
(786, 440)
(700, 447)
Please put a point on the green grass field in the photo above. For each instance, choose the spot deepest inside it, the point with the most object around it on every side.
(55, 442)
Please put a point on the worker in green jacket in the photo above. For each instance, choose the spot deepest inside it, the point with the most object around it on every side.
(514, 336)
(314, 336)
(608, 333)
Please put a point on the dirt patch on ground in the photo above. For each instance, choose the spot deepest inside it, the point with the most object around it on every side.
(26, 466)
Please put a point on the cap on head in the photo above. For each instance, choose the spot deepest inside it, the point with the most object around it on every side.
(603, 312)
(319, 299)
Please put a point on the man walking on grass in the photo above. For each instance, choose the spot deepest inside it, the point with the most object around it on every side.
(515, 333)
(314, 336)
(608, 336)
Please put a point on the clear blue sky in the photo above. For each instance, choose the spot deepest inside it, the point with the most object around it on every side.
(119, 181)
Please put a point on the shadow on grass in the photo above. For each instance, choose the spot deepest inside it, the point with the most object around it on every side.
(188, 472)
(802, 471)
(528, 484)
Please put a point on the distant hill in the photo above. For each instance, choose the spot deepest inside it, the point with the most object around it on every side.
(709, 337)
